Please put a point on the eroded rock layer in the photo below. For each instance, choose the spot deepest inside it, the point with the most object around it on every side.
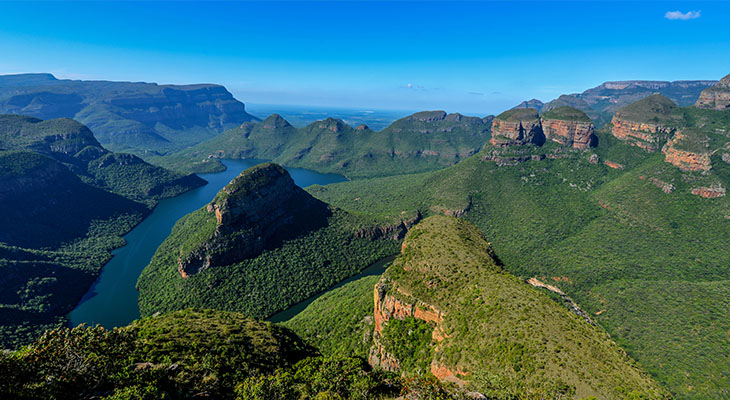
(716, 97)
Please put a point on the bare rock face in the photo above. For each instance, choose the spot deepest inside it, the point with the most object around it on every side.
(517, 127)
(647, 123)
(568, 126)
(716, 97)
(684, 159)
(260, 205)
(710, 192)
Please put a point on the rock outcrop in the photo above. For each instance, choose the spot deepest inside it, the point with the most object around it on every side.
(710, 192)
(260, 205)
(716, 97)
(518, 126)
(568, 126)
(448, 284)
(688, 157)
(647, 123)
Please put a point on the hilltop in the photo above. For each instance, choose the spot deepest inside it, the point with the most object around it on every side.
(262, 245)
(138, 117)
(424, 141)
(560, 215)
(602, 101)
(474, 324)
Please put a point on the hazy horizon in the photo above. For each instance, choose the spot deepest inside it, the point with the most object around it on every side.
(475, 58)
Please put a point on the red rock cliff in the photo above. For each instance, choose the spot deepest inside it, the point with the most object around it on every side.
(647, 136)
(574, 134)
(716, 97)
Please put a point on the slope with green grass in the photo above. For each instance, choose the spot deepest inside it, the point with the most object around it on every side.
(65, 202)
(421, 142)
(262, 245)
(492, 331)
(582, 226)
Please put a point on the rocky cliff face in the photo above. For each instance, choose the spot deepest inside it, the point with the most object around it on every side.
(686, 160)
(649, 137)
(261, 205)
(647, 123)
(568, 133)
(134, 115)
(568, 126)
(517, 127)
(716, 97)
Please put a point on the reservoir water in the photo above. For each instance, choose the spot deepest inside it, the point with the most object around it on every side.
(112, 299)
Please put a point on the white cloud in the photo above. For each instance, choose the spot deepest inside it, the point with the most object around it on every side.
(682, 16)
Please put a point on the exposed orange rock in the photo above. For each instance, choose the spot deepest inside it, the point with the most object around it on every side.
(710, 192)
(685, 160)
(613, 165)
(574, 134)
(716, 97)
(387, 307)
(507, 133)
(643, 135)
(443, 373)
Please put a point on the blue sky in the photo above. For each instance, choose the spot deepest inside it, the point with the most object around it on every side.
(472, 57)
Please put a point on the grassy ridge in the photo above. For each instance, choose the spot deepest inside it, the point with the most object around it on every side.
(581, 226)
(510, 338)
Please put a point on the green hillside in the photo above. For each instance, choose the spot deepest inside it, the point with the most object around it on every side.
(501, 336)
(262, 245)
(585, 227)
(421, 142)
(340, 322)
(65, 202)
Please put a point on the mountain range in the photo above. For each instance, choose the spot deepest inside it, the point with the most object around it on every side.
(562, 251)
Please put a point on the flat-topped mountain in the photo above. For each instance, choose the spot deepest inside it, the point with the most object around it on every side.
(516, 127)
(423, 141)
(568, 126)
(602, 101)
(716, 97)
(447, 308)
(133, 116)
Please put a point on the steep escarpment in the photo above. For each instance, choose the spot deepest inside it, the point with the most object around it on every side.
(477, 325)
(688, 150)
(262, 204)
(518, 126)
(137, 117)
(568, 126)
(262, 245)
(647, 123)
(716, 97)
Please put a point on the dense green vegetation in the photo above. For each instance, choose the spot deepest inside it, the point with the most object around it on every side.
(193, 354)
(566, 113)
(65, 202)
(421, 142)
(340, 322)
(583, 227)
(320, 247)
(655, 109)
(518, 114)
(496, 326)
